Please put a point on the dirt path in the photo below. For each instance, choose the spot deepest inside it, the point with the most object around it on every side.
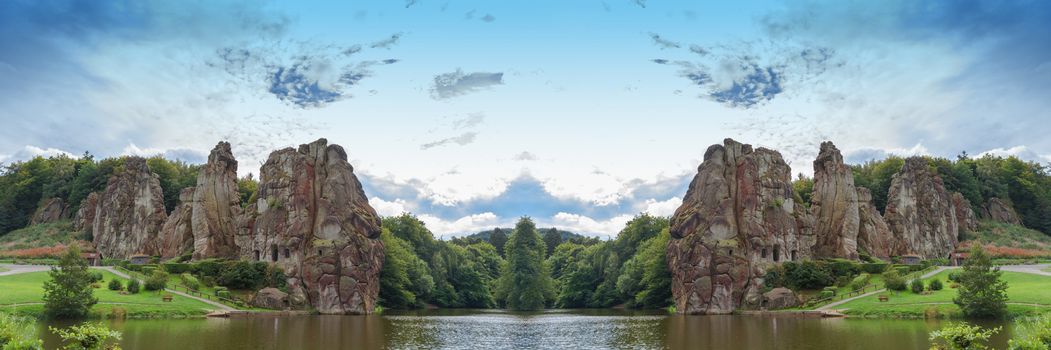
(17, 269)
(221, 306)
(1033, 269)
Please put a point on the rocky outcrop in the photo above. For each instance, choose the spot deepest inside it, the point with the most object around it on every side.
(270, 298)
(84, 220)
(129, 212)
(50, 210)
(920, 212)
(176, 235)
(312, 219)
(780, 298)
(1000, 210)
(216, 206)
(964, 214)
(834, 206)
(874, 236)
(738, 217)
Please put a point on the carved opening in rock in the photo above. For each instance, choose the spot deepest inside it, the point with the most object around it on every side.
(730, 252)
(257, 255)
(273, 252)
(764, 253)
(777, 252)
(793, 255)
(287, 254)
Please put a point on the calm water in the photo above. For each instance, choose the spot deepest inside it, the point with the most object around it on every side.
(489, 329)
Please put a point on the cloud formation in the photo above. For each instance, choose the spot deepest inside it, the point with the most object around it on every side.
(462, 140)
(453, 84)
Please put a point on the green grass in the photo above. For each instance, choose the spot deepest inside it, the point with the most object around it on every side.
(2, 269)
(42, 235)
(1047, 269)
(1007, 235)
(27, 288)
(1022, 289)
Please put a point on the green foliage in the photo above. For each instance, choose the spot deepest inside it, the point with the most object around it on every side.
(961, 336)
(843, 267)
(68, 294)
(876, 176)
(526, 281)
(189, 281)
(498, 239)
(133, 286)
(892, 280)
(174, 177)
(982, 293)
(243, 275)
(807, 275)
(916, 286)
(158, 280)
(96, 276)
(860, 281)
(247, 187)
(177, 268)
(804, 187)
(404, 276)
(552, 238)
(88, 336)
(1032, 334)
(208, 268)
(645, 280)
(40, 235)
(18, 333)
(935, 284)
(874, 268)
(114, 284)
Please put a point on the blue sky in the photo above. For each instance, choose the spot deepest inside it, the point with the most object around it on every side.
(580, 113)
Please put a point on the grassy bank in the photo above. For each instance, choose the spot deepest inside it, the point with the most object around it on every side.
(1028, 296)
(22, 295)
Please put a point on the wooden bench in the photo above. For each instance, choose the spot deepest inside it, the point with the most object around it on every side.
(883, 298)
(167, 298)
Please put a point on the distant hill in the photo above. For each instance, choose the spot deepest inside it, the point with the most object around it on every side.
(484, 235)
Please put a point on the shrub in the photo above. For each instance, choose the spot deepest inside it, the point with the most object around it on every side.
(176, 268)
(208, 268)
(207, 281)
(189, 281)
(843, 267)
(874, 268)
(916, 285)
(1032, 334)
(18, 333)
(225, 294)
(220, 289)
(275, 277)
(96, 276)
(893, 280)
(157, 281)
(88, 336)
(961, 336)
(243, 275)
(133, 286)
(807, 275)
(954, 276)
(935, 284)
(843, 281)
(114, 284)
(860, 281)
(937, 262)
(775, 277)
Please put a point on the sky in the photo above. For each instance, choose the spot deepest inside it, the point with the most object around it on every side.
(470, 114)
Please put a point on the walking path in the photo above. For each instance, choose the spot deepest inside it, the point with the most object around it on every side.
(17, 269)
(830, 306)
(1033, 269)
(221, 306)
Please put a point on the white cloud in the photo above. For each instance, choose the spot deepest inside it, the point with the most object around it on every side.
(462, 226)
(29, 152)
(662, 208)
(585, 225)
(1021, 151)
(393, 208)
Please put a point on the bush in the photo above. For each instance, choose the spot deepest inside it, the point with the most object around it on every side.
(114, 284)
(843, 267)
(157, 281)
(176, 268)
(775, 277)
(954, 276)
(243, 275)
(843, 281)
(807, 275)
(961, 336)
(18, 333)
(893, 280)
(220, 289)
(207, 281)
(860, 281)
(133, 286)
(1031, 334)
(88, 336)
(935, 284)
(96, 276)
(937, 262)
(916, 285)
(189, 281)
(275, 277)
(874, 268)
(208, 268)
(225, 294)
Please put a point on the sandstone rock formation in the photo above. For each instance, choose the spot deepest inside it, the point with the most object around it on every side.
(313, 220)
(874, 236)
(780, 298)
(216, 206)
(129, 212)
(920, 212)
(738, 216)
(964, 214)
(270, 298)
(999, 210)
(176, 236)
(50, 210)
(84, 220)
(834, 205)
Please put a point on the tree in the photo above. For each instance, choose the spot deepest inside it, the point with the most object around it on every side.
(68, 294)
(961, 336)
(981, 293)
(525, 283)
(552, 238)
(404, 277)
(247, 187)
(804, 187)
(498, 239)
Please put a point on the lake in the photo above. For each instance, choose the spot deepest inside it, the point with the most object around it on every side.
(497, 329)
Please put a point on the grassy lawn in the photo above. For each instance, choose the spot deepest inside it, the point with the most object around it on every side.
(1022, 289)
(2, 269)
(27, 288)
(1047, 269)
(42, 235)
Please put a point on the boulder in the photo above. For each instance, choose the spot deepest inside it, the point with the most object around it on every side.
(965, 217)
(84, 220)
(739, 216)
(216, 208)
(313, 220)
(834, 206)
(50, 210)
(270, 298)
(920, 212)
(129, 212)
(997, 209)
(176, 236)
(874, 236)
(780, 298)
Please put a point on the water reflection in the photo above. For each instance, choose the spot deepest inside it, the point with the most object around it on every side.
(555, 329)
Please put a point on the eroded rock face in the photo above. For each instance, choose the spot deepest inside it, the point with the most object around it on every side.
(270, 298)
(738, 217)
(50, 210)
(312, 219)
(874, 236)
(780, 298)
(85, 217)
(216, 206)
(834, 206)
(920, 212)
(177, 233)
(1000, 210)
(130, 212)
(964, 214)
